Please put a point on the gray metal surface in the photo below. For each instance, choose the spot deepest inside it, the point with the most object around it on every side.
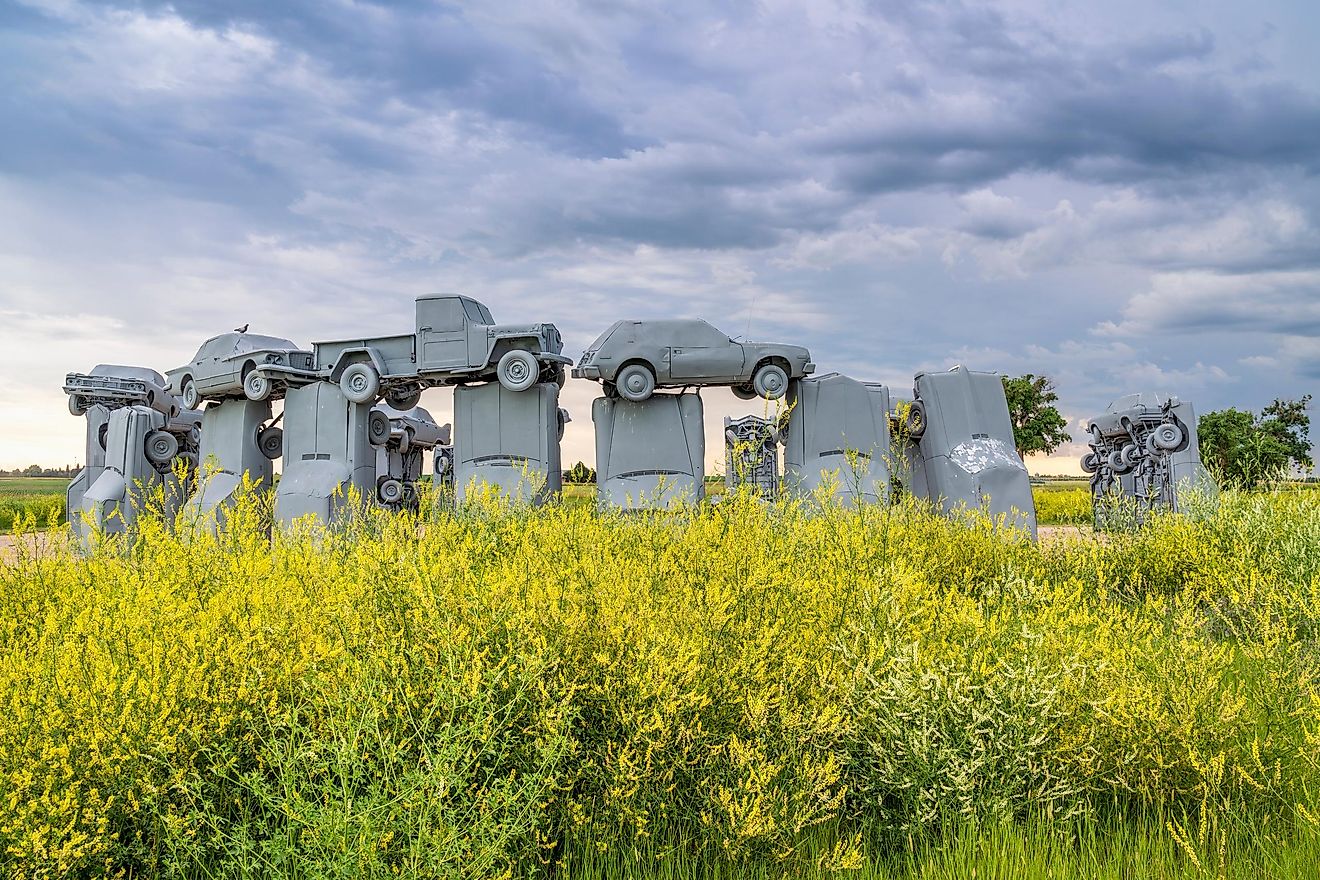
(649, 454)
(400, 459)
(237, 440)
(633, 358)
(141, 447)
(1145, 456)
(838, 437)
(966, 451)
(328, 455)
(97, 419)
(751, 455)
(507, 441)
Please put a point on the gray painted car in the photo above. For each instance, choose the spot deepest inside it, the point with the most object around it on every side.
(114, 386)
(633, 358)
(456, 341)
(226, 366)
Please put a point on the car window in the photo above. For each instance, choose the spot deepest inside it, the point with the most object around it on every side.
(474, 312)
(705, 334)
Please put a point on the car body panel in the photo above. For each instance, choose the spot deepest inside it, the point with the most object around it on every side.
(683, 352)
(455, 340)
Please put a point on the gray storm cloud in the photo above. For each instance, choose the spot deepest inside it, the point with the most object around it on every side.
(1111, 197)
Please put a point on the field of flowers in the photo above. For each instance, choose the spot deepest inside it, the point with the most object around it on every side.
(737, 691)
(40, 498)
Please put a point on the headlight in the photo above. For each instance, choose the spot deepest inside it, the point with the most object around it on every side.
(274, 358)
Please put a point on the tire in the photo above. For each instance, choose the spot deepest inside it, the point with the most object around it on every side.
(256, 386)
(188, 392)
(1090, 463)
(744, 392)
(1168, 437)
(161, 447)
(271, 442)
(770, 381)
(360, 383)
(635, 382)
(77, 405)
(1116, 464)
(518, 370)
(1131, 455)
(403, 400)
(406, 441)
(561, 376)
(378, 428)
(914, 420)
(559, 419)
(390, 491)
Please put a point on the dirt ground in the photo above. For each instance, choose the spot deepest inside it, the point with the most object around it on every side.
(9, 544)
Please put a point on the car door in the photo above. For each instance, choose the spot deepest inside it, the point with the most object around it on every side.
(441, 326)
(700, 352)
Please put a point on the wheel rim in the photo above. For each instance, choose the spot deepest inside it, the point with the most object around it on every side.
(357, 383)
(771, 383)
(517, 371)
(190, 394)
(637, 383)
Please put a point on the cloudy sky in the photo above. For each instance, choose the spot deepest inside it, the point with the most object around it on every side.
(1123, 196)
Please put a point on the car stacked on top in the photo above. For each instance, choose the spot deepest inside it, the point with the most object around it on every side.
(634, 358)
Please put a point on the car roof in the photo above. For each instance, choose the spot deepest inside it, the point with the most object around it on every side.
(227, 344)
(118, 371)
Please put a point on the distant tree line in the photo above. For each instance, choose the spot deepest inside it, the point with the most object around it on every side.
(36, 470)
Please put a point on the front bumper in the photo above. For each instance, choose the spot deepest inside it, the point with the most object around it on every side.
(808, 368)
(588, 371)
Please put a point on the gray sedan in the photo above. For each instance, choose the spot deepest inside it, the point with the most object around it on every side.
(633, 358)
(225, 366)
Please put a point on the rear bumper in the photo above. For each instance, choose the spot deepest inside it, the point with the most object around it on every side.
(808, 368)
(586, 372)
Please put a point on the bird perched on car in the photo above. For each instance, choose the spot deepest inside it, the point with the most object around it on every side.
(242, 329)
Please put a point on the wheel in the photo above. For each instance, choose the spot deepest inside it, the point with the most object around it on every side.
(1130, 455)
(360, 382)
(770, 381)
(1116, 464)
(914, 420)
(406, 440)
(1168, 437)
(635, 382)
(271, 442)
(1090, 463)
(161, 447)
(390, 491)
(561, 375)
(77, 405)
(101, 434)
(518, 370)
(256, 386)
(442, 463)
(403, 399)
(744, 392)
(559, 418)
(188, 391)
(378, 428)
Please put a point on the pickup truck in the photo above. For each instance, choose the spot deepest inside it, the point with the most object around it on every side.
(456, 341)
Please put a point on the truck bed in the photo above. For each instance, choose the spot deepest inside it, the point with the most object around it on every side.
(394, 355)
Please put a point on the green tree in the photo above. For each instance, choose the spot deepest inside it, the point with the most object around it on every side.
(580, 473)
(1244, 449)
(1037, 425)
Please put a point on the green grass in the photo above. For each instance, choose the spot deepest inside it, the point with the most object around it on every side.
(40, 497)
(1149, 849)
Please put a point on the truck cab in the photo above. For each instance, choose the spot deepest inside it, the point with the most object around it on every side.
(451, 332)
